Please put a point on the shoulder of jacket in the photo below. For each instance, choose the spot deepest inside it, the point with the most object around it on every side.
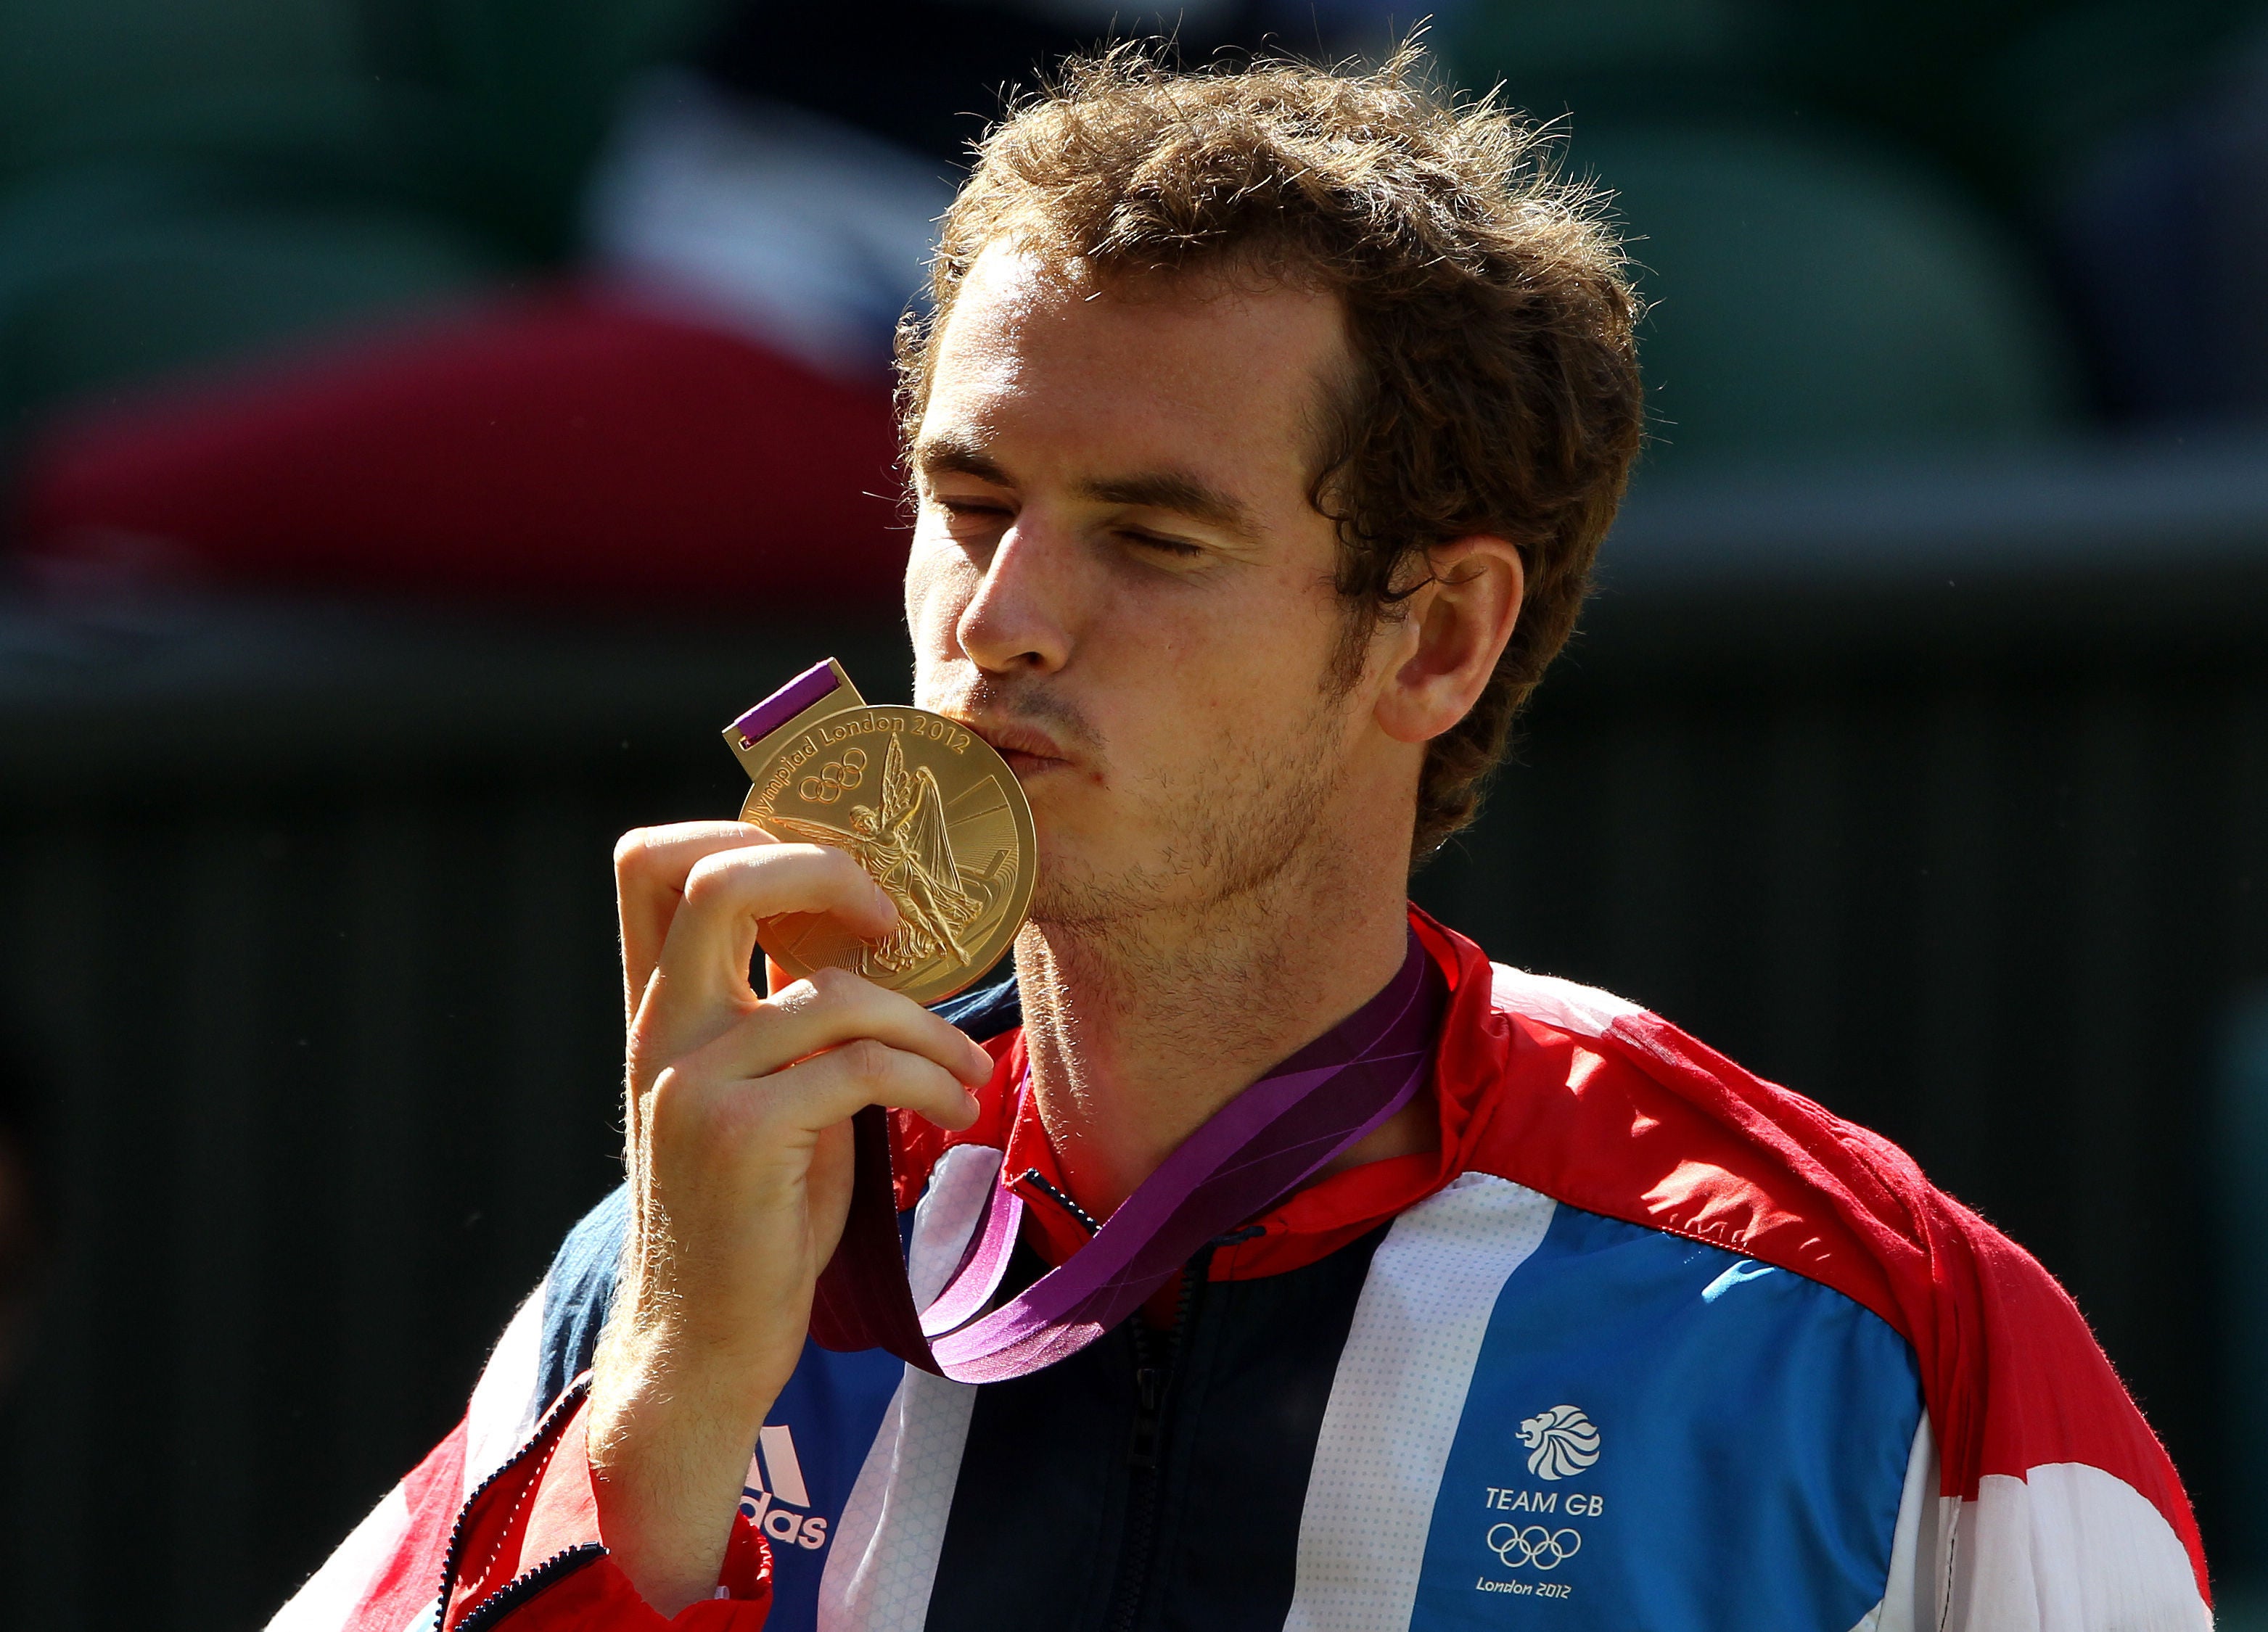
(1564, 1005)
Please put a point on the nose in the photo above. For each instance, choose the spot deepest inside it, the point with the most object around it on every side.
(1018, 620)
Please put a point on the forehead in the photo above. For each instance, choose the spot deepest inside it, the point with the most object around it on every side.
(1149, 368)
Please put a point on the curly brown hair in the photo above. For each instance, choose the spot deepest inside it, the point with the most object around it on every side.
(1495, 385)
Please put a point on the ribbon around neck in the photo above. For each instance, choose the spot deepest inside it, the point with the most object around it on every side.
(1250, 1155)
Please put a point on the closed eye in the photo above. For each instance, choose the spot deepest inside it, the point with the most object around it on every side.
(1180, 548)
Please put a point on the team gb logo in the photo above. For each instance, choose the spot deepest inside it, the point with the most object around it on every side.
(1560, 1442)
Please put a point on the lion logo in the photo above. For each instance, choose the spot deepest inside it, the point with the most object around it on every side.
(1560, 1442)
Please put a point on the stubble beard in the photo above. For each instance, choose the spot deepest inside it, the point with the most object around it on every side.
(1243, 833)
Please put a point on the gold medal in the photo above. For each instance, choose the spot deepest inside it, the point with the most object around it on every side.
(926, 806)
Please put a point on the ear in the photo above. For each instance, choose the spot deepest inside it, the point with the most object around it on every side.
(1458, 624)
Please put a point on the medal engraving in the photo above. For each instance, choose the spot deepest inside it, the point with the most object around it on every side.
(927, 807)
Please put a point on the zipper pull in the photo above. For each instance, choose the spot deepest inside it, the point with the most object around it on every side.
(1149, 1394)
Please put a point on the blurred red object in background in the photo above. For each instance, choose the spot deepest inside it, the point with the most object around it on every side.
(576, 445)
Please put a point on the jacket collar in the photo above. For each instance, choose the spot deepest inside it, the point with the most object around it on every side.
(1468, 1058)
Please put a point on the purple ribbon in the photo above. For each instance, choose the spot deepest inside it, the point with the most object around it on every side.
(788, 701)
(1252, 1153)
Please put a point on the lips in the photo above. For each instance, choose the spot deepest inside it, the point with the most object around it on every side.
(1024, 747)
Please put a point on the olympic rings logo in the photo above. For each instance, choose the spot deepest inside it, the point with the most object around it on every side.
(835, 778)
(1546, 1550)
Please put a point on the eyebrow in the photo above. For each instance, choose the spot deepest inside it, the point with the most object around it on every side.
(1181, 494)
(948, 453)
(1172, 490)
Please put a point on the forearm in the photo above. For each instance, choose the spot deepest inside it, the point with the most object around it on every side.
(673, 1420)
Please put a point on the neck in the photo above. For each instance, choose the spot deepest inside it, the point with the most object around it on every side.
(1137, 1032)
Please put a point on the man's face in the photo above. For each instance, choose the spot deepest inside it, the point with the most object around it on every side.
(1118, 579)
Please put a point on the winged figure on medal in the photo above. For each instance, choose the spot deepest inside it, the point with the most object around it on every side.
(905, 846)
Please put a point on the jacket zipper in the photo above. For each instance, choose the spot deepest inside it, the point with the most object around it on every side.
(1157, 1359)
(1085, 1219)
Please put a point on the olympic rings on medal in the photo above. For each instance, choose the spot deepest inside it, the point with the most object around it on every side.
(1546, 1550)
(835, 778)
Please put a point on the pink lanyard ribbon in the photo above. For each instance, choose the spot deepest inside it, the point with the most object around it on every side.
(1254, 1151)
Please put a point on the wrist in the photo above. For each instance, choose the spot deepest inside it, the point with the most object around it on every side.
(645, 1395)
(727, 1377)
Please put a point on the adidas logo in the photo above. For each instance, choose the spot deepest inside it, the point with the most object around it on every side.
(775, 1490)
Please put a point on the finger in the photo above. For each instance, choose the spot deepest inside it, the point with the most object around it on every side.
(828, 1088)
(650, 864)
(701, 982)
(832, 1008)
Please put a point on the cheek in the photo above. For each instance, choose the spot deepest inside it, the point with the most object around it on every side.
(938, 585)
(1275, 654)
(1223, 684)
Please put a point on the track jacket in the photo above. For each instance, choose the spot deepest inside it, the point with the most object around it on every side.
(1647, 1343)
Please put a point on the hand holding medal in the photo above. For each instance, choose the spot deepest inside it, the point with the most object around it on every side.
(926, 806)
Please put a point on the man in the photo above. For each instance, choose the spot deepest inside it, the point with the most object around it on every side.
(1262, 434)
